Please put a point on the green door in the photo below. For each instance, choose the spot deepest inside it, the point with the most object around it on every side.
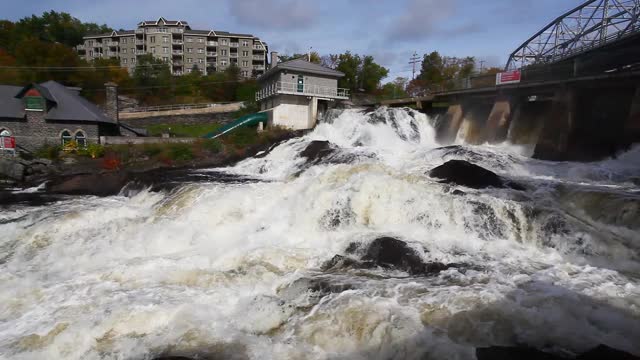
(300, 83)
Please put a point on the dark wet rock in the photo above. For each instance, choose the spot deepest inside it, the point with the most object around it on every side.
(458, 193)
(604, 352)
(601, 352)
(491, 226)
(318, 150)
(105, 184)
(388, 253)
(8, 198)
(513, 353)
(12, 169)
(337, 217)
(464, 173)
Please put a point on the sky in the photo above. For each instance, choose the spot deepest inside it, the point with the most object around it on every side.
(390, 30)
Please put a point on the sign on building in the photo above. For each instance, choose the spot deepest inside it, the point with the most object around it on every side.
(509, 77)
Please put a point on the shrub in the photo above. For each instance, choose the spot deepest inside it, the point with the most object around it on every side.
(71, 146)
(51, 152)
(213, 146)
(93, 151)
(182, 152)
(152, 150)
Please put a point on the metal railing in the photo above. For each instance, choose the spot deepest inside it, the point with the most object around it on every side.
(212, 43)
(234, 45)
(593, 24)
(177, 42)
(175, 106)
(177, 52)
(212, 53)
(301, 89)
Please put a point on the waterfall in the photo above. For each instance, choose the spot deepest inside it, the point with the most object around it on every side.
(238, 269)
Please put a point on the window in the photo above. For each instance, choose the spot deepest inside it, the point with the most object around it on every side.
(245, 63)
(223, 62)
(200, 51)
(66, 137)
(223, 52)
(133, 60)
(189, 50)
(200, 61)
(152, 39)
(165, 59)
(80, 139)
(245, 43)
(245, 73)
(224, 41)
(189, 60)
(189, 39)
(90, 52)
(245, 53)
(153, 50)
(124, 61)
(165, 39)
(124, 41)
(124, 51)
(188, 71)
(200, 40)
(165, 50)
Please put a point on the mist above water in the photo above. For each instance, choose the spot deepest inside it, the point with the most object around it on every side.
(234, 270)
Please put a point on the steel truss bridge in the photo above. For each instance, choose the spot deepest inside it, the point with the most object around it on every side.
(592, 25)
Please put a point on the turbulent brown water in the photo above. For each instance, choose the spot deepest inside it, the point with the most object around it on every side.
(234, 269)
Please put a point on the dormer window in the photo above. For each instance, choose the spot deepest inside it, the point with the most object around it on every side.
(33, 101)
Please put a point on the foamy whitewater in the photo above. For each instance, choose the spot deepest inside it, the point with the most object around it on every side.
(227, 270)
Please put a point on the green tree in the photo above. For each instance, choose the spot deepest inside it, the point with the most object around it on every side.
(371, 74)
(395, 89)
(152, 77)
(349, 64)
(315, 57)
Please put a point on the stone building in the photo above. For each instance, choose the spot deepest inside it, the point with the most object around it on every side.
(180, 46)
(50, 113)
(294, 93)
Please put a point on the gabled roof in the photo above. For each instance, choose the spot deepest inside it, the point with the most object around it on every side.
(67, 105)
(10, 106)
(164, 21)
(73, 107)
(303, 66)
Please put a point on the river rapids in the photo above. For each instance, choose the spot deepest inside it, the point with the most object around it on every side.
(234, 269)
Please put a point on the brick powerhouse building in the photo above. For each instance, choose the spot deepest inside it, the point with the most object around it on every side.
(50, 113)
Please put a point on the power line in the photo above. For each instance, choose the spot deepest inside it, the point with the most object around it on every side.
(413, 61)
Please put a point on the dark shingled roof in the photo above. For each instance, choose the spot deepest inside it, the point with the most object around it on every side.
(304, 66)
(67, 104)
(10, 106)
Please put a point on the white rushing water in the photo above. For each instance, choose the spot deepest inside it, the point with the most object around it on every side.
(227, 270)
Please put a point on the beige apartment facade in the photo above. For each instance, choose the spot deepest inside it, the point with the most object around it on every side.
(183, 48)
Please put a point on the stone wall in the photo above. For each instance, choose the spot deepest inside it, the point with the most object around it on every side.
(191, 119)
(34, 131)
(121, 140)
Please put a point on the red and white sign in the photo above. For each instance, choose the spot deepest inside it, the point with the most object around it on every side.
(8, 142)
(509, 77)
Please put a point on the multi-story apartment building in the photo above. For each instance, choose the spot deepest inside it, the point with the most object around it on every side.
(181, 47)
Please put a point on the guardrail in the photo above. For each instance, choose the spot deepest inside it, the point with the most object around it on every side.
(302, 89)
(174, 107)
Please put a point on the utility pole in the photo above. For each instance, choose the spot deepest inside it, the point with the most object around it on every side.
(413, 61)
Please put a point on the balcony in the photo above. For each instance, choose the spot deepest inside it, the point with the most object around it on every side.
(111, 53)
(212, 54)
(80, 47)
(258, 57)
(139, 42)
(234, 45)
(177, 42)
(139, 31)
(177, 52)
(258, 67)
(140, 52)
(212, 43)
(302, 90)
(177, 63)
(177, 30)
(113, 43)
(258, 47)
(233, 55)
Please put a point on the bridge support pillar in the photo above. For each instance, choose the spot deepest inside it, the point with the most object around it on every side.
(499, 121)
(632, 125)
(450, 124)
(474, 122)
(553, 142)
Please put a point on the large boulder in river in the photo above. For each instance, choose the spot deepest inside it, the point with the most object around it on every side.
(388, 253)
(317, 150)
(602, 352)
(464, 173)
(105, 184)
